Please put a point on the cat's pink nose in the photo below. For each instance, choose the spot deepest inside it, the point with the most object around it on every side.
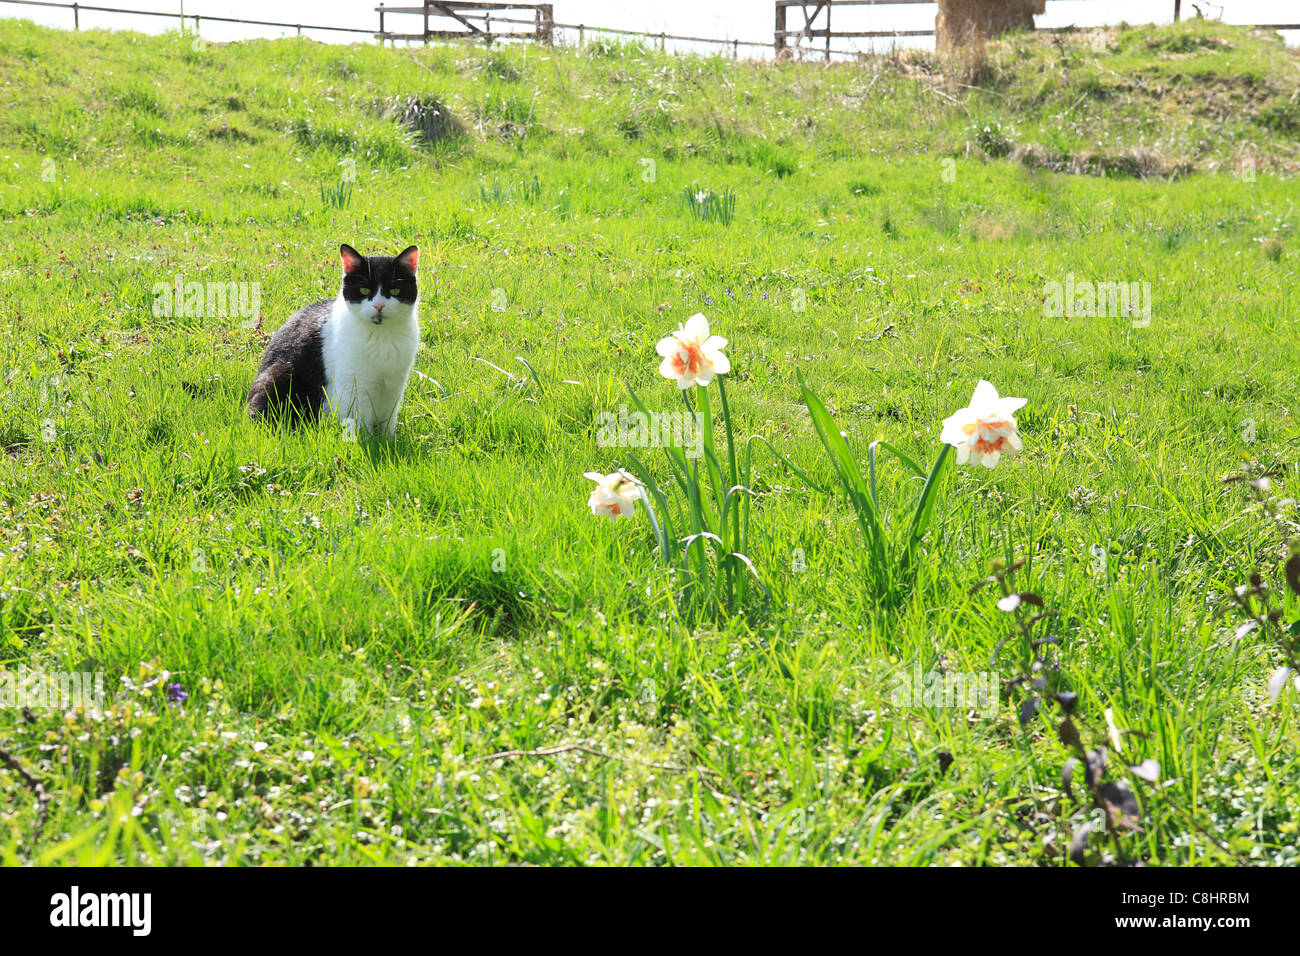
(379, 306)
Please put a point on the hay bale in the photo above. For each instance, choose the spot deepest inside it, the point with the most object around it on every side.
(962, 22)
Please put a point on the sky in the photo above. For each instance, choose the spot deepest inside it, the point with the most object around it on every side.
(725, 19)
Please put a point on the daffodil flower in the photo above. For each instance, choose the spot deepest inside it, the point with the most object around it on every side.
(692, 356)
(615, 495)
(985, 430)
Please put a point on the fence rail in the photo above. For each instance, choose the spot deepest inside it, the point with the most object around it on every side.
(811, 17)
(581, 29)
(76, 9)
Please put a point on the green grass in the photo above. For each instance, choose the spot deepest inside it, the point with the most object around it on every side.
(359, 625)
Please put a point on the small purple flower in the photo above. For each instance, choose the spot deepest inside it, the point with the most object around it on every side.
(765, 295)
(708, 301)
(176, 694)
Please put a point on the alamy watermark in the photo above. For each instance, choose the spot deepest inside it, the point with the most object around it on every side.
(206, 300)
(77, 909)
(625, 429)
(1085, 299)
(52, 692)
(975, 690)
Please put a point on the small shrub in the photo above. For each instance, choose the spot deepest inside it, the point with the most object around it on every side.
(427, 117)
(1282, 117)
(994, 139)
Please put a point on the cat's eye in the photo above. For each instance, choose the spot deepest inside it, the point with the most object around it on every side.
(393, 292)
(365, 290)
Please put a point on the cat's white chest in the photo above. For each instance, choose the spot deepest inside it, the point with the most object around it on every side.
(367, 367)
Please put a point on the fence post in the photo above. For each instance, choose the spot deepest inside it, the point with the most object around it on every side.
(580, 34)
(381, 24)
(735, 49)
(1178, 6)
(828, 32)
(76, 17)
(779, 43)
(548, 23)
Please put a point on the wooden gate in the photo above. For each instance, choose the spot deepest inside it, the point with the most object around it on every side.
(473, 21)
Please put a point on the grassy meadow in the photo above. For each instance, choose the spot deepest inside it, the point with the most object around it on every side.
(428, 650)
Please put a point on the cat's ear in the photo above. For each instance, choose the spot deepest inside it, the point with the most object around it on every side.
(352, 260)
(408, 259)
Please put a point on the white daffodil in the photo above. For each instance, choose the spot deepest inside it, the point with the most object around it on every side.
(985, 430)
(691, 355)
(701, 197)
(615, 495)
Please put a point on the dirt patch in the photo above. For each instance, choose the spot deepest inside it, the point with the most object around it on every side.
(987, 228)
(1134, 164)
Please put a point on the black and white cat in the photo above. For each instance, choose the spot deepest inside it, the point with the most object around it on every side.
(352, 354)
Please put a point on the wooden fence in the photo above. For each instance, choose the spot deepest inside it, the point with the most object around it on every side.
(816, 27)
(182, 19)
(544, 28)
(465, 14)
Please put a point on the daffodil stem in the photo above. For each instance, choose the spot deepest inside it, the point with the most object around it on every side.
(710, 451)
(699, 522)
(697, 525)
(659, 534)
(737, 543)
